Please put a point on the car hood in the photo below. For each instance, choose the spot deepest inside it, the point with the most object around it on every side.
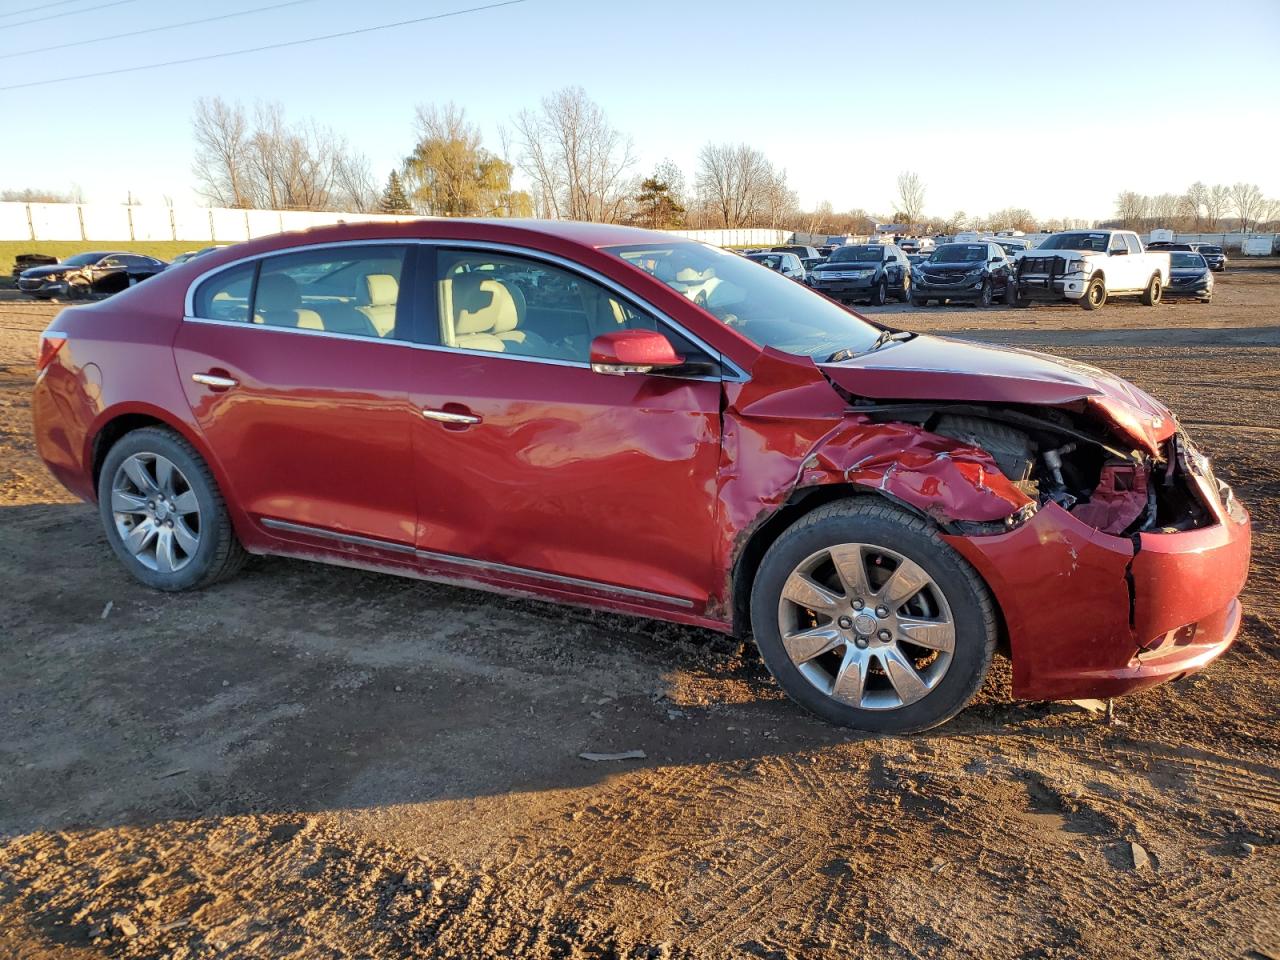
(939, 368)
(1186, 271)
(849, 265)
(963, 266)
(39, 273)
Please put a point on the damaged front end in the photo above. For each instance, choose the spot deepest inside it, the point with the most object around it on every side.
(1114, 554)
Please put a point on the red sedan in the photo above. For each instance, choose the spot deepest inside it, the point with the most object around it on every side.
(623, 419)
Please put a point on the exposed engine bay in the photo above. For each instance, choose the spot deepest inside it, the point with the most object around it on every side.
(1053, 455)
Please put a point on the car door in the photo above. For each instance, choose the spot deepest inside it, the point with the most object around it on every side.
(302, 401)
(1120, 265)
(531, 464)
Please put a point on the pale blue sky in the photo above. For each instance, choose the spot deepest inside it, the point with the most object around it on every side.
(1054, 106)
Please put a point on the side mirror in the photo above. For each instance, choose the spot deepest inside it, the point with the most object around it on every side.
(632, 351)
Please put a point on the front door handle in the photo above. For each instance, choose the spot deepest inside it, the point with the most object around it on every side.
(449, 416)
(215, 381)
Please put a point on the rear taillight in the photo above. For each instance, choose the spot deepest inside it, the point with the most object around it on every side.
(50, 344)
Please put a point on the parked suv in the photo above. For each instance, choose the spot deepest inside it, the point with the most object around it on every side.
(964, 272)
(636, 422)
(870, 272)
(86, 275)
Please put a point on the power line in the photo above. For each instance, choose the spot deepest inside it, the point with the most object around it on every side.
(69, 13)
(138, 33)
(269, 46)
(42, 7)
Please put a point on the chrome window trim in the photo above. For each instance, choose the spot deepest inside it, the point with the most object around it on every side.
(732, 372)
(596, 585)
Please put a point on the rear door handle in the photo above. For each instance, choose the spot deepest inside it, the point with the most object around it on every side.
(215, 381)
(448, 416)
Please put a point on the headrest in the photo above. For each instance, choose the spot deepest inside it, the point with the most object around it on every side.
(276, 291)
(482, 305)
(378, 290)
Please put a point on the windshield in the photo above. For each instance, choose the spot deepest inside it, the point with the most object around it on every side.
(83, 259)
(771, 260)
(863, 253)
(767, 308)
(1187, 260)
(959, 253)
(1076, 241)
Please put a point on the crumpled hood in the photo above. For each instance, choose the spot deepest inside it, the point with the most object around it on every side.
(940, 368)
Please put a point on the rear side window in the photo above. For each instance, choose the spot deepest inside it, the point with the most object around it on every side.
(226, 295)
(353, 290)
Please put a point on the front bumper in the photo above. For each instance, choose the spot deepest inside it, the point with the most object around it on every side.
(1055, 288)
(852, 289)
(42, 288)
(1176, 290)
(967, 290)
(1087, 615)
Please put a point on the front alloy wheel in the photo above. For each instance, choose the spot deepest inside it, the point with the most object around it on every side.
(869, 619)
(866, 626)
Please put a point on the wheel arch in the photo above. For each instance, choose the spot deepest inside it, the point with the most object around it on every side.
(801, 502)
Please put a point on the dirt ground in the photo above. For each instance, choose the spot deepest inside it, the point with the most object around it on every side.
(315, 762)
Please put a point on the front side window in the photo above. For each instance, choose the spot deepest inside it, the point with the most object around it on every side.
(352, 290)
(767, 308)
(515, 305)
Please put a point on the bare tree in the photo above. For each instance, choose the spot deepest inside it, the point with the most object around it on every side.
(736, 182)
(1132, 209)
(1216, 204)
(578, 161)
(1012, 218)
(1163, 209)
(221, 134)
(1248, 202)
(270, 163)
(1193, 203)
(910, 197)
(32, 195)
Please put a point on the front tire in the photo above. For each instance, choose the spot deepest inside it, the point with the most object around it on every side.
(163, 513)
(867, 618)
(881, 294)
(1095, 295)
(1154, 292)
(984, 297)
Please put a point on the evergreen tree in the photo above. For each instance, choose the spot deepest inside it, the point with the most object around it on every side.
(393, 198)
(655, 206)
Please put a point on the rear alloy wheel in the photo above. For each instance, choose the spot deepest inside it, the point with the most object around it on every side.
(1095, 295)
(163, 514)
(867, 618)
(1155, 290)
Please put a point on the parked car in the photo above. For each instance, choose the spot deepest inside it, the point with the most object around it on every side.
(25, 261)
(787, 264)
(870, 272)
(975, 273)
(1170, 245)
(1214, 255)
(1013, 246)
(1189, 276)
(86, 275)
(636, 422)
(800, 250)
(192, 254)
(1090, 266)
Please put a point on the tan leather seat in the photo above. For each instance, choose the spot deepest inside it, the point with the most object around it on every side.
(477, 309)
(376, 296)
(277, 303)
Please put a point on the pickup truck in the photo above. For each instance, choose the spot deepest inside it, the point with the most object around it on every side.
(1091, 266)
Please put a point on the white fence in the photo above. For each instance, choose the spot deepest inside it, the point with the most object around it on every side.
(108, 222)
(117, 223)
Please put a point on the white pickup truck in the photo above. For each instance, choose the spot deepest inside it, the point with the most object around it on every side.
(1091, 266)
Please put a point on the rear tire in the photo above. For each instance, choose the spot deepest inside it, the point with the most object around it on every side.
(163, 513)
(1154, 292)
(1095, 295)
(904, 687)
